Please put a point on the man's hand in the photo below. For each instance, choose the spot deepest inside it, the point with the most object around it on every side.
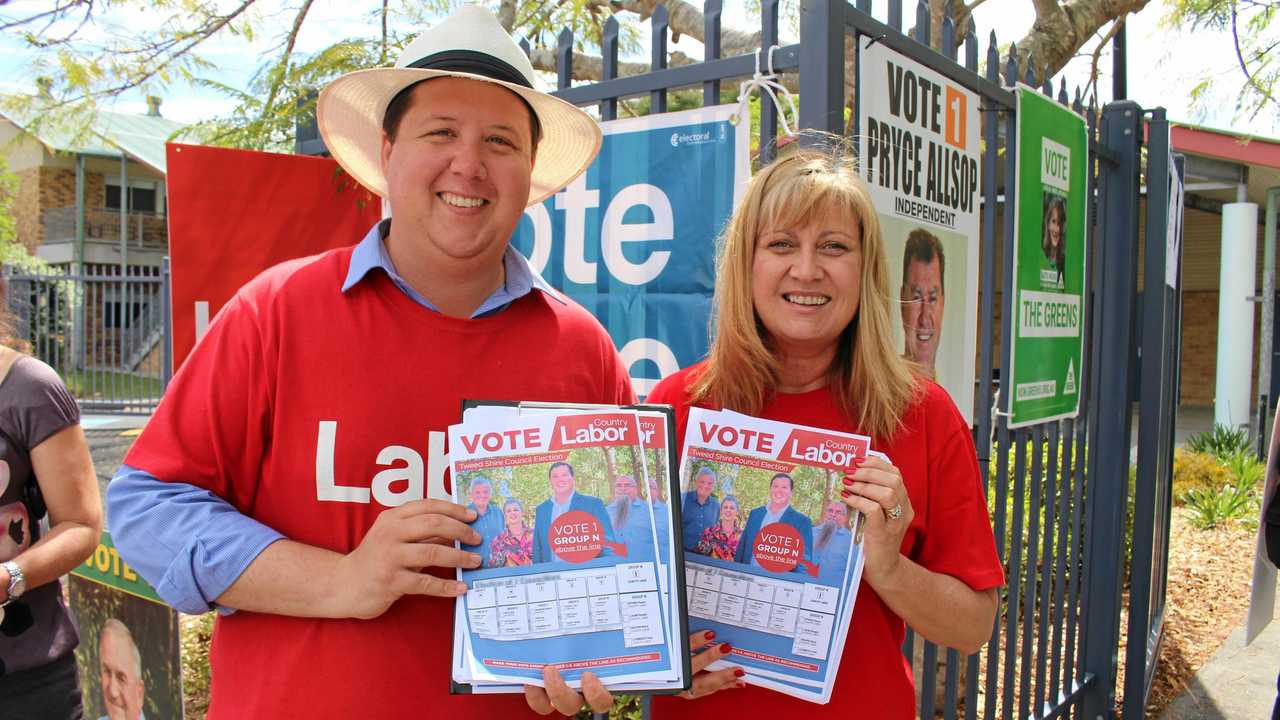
(559, 697)
(403, 541)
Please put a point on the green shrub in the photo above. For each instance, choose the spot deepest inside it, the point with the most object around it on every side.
(1197, 471)
(1220, 442)
(1245, 468)
(1210, 508)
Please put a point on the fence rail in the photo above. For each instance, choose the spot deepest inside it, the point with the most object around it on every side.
(104, 333)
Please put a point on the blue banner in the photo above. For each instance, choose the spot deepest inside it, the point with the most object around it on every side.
(633, 238)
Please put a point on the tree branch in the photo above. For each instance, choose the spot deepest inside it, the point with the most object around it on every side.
(382, 49)
(1235, 38)
(1097, 54)
(51, 14)
(507, 14)
(282, 68)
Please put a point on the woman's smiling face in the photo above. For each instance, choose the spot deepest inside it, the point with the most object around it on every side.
(806, 281)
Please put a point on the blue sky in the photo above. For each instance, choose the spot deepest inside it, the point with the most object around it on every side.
(1157, 74)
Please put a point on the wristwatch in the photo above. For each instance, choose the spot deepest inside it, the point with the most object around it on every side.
(17, 582)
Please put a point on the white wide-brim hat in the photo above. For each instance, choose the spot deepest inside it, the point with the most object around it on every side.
(468, 44)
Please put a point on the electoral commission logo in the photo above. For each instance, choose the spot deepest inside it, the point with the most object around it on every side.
(633, 238)
(699, 138)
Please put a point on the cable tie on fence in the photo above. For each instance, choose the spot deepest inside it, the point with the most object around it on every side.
(873, 39)
(767, 84)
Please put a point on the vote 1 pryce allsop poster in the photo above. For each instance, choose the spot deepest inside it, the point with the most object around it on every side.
(919, 154)
(1049, 265)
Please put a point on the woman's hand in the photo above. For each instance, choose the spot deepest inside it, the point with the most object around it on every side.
(706, 682)
(876, 490)
(559, 697)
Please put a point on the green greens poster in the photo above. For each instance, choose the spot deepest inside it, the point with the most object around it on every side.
(1049, 265)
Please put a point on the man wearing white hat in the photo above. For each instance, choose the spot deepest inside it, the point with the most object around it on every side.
(284, 473)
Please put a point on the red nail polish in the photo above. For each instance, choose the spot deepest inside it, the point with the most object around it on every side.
(846, 493)
(711, 635)
(725, 648)
(739, 672)
(848, 480)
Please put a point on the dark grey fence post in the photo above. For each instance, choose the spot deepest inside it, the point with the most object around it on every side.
(768, 113)
(1109, 455)
(1155, 449)
(711, 11)
(658, 25)
(822, 65)
(609, 66)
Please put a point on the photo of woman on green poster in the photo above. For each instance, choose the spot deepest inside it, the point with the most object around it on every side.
(1054, 240)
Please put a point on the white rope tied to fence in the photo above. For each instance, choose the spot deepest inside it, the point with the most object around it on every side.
(767, 84)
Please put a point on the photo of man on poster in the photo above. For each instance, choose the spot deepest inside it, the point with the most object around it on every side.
(700, 508)
(565, 497)
(489, 518)
(120, 664)
(777, 510)
(923, 297)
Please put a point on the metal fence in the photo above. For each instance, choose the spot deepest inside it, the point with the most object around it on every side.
(105, 333)
(1058, 491)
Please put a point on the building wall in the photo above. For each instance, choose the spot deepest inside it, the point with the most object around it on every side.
(1202, 252)
(26, 205)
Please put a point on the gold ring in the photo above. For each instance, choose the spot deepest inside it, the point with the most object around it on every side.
(894, 512)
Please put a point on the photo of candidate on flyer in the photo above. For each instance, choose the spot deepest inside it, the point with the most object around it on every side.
(729, 509)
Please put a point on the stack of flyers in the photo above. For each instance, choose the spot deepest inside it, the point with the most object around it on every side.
(580, 569)
(773, 559)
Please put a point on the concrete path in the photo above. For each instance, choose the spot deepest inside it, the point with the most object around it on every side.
(1238, 682)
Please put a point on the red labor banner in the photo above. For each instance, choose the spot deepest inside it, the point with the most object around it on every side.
(235, 213)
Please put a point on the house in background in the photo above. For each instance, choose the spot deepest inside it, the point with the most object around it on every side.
(73, 208)
(92, 205)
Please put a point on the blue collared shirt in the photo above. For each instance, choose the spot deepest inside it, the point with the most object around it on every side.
(519, 280)
(190, 544)
(697, 517)
(558, 509)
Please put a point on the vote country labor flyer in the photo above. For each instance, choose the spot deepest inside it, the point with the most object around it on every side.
(773, 560)
(575, 543)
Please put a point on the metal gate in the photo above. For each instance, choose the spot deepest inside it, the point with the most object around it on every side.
(105, 333)
(1072, 535)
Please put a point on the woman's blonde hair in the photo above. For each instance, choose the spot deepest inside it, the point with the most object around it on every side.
(737, 520)
(871, 382)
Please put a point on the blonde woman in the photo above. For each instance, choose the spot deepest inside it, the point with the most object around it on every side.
(721, 540)
(804, 335)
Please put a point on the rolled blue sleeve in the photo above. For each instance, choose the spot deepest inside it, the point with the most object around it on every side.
(190, 544)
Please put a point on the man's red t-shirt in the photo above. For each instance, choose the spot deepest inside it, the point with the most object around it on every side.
(313, 410)
(950, 534)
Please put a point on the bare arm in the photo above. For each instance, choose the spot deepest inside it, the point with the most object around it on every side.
(65, 474)
(940, 607)
(291, 578)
